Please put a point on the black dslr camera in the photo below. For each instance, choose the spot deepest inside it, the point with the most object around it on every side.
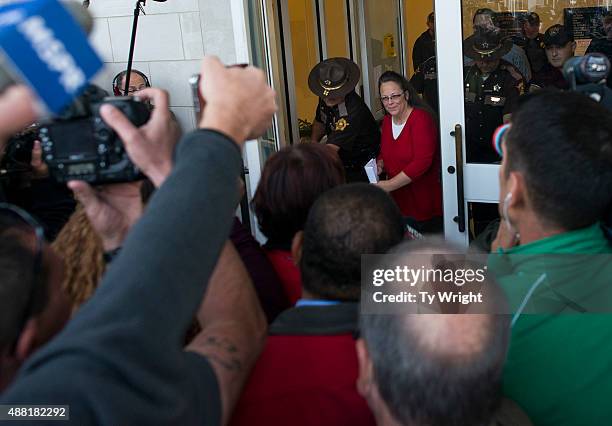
(83, 147)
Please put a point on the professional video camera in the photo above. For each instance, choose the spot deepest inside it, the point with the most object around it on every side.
(587, 74)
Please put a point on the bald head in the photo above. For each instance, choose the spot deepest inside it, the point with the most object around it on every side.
(429, 368)
(454, 338)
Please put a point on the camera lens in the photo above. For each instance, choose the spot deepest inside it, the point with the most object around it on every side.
(591, 68)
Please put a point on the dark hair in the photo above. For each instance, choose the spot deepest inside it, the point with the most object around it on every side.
(425, 379)
(431, 17)
(23, 291)
(343, 224)
(291, 181)
(485, 11)
(565, 156)
(414, 100)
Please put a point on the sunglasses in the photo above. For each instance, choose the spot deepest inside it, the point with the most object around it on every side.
(499, 137)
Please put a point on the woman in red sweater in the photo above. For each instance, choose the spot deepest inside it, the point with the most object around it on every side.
(291, 181)
(410, 154)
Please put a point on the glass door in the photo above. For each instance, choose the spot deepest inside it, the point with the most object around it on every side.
(464, 184)
(381, 37)
(490, 52)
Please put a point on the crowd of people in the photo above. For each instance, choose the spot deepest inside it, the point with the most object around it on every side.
(149, 302)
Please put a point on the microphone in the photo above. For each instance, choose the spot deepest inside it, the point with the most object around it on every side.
(78, 13)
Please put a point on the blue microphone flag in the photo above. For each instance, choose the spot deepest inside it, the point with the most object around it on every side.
(48, 50)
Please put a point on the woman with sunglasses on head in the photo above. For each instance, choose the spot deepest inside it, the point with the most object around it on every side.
(410, 154)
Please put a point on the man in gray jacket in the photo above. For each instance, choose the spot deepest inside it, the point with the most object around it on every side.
(120, 360)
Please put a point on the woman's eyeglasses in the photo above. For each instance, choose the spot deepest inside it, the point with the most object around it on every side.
(499, 137)
(391, 98)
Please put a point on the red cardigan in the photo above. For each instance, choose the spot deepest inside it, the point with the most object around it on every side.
(416, 152)
(307, 373)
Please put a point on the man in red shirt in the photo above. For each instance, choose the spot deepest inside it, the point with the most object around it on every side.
(307, 372)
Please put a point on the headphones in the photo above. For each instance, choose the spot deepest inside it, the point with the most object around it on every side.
(117, 90)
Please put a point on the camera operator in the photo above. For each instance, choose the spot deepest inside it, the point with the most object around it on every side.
(120, 359)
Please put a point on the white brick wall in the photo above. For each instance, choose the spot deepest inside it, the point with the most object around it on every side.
(171, 39)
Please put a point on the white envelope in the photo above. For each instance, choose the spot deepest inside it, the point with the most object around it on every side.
(371, 170)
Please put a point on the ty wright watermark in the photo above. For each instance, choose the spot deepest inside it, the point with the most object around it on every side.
(425, 283)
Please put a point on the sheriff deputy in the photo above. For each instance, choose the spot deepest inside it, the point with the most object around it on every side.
(343, 116)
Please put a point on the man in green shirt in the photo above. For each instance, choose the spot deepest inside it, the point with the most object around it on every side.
(553, 259)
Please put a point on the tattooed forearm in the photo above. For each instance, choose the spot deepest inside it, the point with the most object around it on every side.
(220, 350)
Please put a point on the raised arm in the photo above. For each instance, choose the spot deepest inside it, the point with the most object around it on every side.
(131, 330)
(233, 327)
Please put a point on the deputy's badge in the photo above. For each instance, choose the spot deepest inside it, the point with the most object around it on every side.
(326, 89)
(497, 88)
(341, 125)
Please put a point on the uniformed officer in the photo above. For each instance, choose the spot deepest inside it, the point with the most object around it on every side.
(560, 46)
(487, 20)
(532, 42)
(425, 46)
(490, 94)
(343, 116)
(425, 78)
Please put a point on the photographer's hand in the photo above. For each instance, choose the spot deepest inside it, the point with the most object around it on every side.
(112, 209)
(239, 101)
(150, 147)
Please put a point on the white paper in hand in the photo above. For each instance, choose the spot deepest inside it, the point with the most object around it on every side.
(371, 170)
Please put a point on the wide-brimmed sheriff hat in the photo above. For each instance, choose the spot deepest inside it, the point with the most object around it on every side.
(486, 45)
(334, 77)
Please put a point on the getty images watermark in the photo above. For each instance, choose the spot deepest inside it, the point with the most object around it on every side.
(429, 283)
(435, 277)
